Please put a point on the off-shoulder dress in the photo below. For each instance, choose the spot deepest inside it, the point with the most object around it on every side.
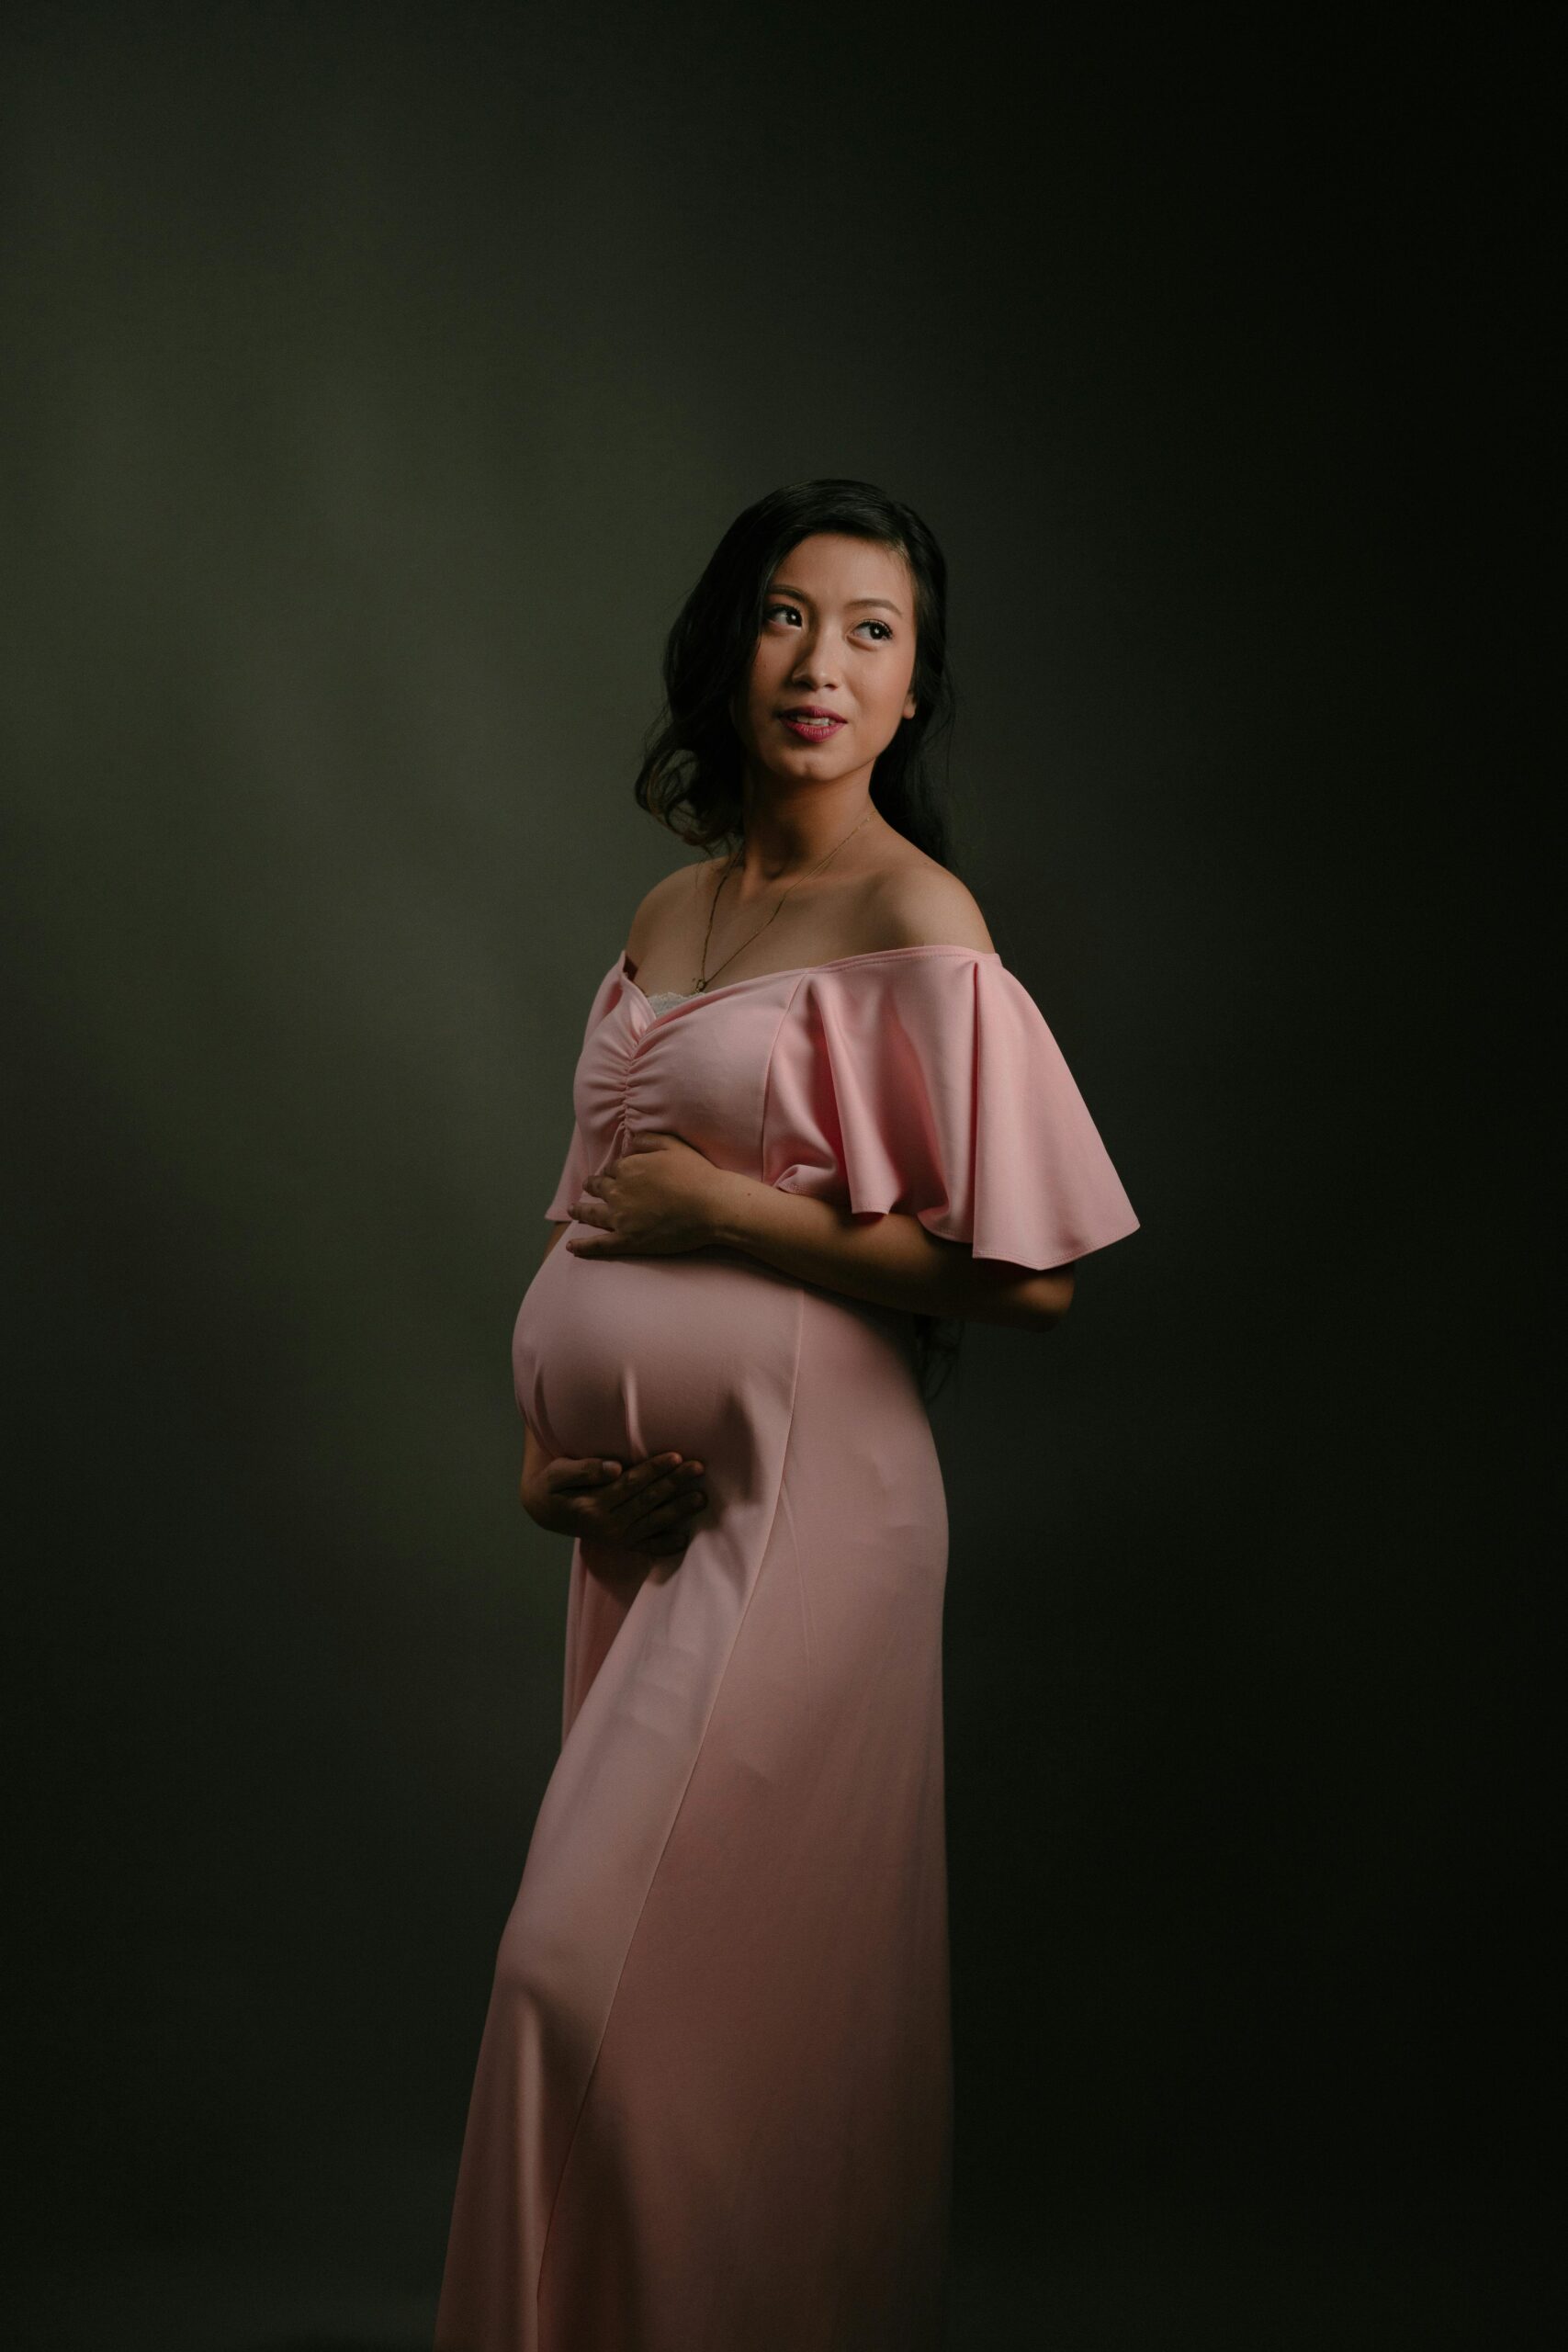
(713, 2101)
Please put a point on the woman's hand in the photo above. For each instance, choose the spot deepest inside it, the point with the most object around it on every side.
(658, 1199)
(647, 1508)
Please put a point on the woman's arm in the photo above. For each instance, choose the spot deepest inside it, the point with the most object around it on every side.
(893, 1262)
(662, 1197)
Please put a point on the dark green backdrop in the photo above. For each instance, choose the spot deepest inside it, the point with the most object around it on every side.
(378, 379)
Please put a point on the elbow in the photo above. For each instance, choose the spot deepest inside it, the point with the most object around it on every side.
(1051, 1295)
(1002, 1291)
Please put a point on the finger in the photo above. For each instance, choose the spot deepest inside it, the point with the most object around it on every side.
(679, 1511)
(674, 1480)
(565, 1474)
(572, 1470)
(655, 1470)
(679, 1533)
(686, 1481)
(665, 1540)
(634, 1476)
(628, 1507)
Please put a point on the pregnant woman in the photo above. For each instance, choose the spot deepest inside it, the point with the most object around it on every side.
(816, 1121)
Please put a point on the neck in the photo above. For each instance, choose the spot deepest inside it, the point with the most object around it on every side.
(789, 828)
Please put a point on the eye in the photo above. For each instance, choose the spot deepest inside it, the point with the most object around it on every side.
(769, 610)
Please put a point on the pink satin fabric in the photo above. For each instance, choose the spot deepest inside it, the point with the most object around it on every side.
(712, 2108)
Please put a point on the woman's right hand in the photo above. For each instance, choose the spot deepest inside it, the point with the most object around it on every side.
(646, 1507)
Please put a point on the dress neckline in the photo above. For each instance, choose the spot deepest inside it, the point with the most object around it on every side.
(798, 971)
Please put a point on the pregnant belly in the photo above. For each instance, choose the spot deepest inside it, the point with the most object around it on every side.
(625, 1357)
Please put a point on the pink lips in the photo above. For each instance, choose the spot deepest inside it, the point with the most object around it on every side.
(811, 731)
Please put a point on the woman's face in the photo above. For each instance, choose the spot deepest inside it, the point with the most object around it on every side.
(838, 634)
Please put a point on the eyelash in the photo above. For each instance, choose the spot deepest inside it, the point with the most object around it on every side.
(769, 610)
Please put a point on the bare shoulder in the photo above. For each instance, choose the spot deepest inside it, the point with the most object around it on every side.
(673, 894)
(921, 904)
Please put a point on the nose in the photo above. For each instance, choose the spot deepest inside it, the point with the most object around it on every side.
(814, 665)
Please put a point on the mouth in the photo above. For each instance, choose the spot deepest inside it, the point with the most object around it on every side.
(811, 726)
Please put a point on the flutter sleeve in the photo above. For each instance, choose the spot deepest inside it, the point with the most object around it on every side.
(927, 1081)
(576, 1167)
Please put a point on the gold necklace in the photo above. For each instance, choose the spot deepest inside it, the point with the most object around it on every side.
(705, 977)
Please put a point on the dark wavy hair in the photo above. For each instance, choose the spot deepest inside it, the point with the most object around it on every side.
(693, 763)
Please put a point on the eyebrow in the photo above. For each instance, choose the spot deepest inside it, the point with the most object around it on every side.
(783, 588)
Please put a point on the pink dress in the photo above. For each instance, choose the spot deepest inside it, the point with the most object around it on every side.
(712, 2109)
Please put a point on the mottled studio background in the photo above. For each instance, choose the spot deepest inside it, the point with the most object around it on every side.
(378, 380)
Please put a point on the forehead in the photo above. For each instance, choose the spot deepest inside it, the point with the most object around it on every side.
(832, 563)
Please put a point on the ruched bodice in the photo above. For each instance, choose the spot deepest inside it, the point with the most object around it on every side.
(923, 1079)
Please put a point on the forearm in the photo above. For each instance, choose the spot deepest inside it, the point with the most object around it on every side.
(893, 1261)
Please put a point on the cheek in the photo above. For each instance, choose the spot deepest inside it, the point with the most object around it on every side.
(755, 699)
(897, 696)
(890, 706)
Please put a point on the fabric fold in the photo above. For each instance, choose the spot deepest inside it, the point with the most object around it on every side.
(931, 1084)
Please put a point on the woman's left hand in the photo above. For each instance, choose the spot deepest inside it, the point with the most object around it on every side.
(657, 1200)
